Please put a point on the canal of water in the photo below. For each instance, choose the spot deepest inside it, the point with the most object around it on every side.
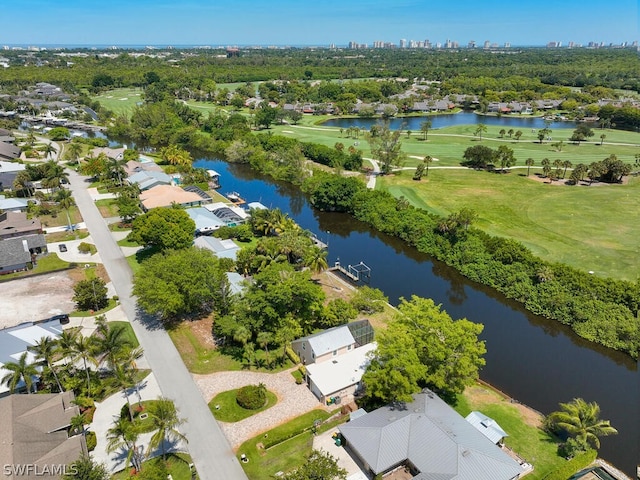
(536, 361)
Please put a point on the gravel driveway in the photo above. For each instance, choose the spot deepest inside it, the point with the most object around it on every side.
(35, 298)
(293, 401)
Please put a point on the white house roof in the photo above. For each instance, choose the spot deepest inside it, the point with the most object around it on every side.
(256, 205)
(487, 426)
(329, 340)
(13, 203)
(16, 340)
(148, 178)
(12, 166)
(341, 372)
(221, 248)
(236, 282)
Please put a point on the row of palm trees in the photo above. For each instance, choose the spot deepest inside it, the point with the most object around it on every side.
(107, 348)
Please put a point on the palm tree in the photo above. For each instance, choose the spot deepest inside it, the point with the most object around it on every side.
(602, 137)
(74, 151)
(316, 260)
(529, 162)
(165, 421)
(77, 424)
(480, 129)
(20, 371)
(566, 164)
(242, 335)
(425, 127)
(65, 201)
(502, 132)
(427, 160)
(510, 132)
(518, 134)
(48, 150)
(109, 343)
(66, 341)
(45, 349)
(264, 339)
(124, 434)
(581, 420)
(83, 348)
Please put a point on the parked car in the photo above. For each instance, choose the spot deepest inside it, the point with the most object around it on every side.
(62, 247)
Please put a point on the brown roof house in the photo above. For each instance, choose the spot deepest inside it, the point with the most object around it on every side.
(16, 224)
(167, 195)
(34, 443)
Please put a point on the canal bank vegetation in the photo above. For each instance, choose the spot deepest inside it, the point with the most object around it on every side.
(601, 310)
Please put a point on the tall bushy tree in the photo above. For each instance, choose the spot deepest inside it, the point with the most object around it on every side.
(164, 228)
(180, 282)
(423, 346)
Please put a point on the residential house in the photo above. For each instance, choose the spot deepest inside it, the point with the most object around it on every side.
(13, 204)
(19, 253)
(220, 248)
(340, 379)
(487, 426)
(330, 343)
(7, 179)
(206, 222)
(167, 195)
(9, 151)
(133, 166)
(231, 216)
(33, 436)
(16, 224)
(112, 153)
(428, 439)
(146, 179)
(237, 283)
(15, 341)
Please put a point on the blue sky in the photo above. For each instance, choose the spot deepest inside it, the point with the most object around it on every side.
(319, 22)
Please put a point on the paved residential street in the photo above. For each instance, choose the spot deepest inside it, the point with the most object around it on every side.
(211, 452)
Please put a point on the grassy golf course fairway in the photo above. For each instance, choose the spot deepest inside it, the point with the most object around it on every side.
(592, 228)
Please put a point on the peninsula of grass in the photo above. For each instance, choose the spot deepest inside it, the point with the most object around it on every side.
(225, 408)
(591, 228)
(281, 449)
(526, 438)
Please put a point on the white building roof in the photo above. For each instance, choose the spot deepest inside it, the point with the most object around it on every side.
(330, 340)
(12, 166)
(343, 371)
(487, 426)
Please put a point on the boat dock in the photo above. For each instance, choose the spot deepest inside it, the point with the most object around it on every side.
(355, 273)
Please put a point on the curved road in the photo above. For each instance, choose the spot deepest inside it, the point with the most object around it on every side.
(208, 446)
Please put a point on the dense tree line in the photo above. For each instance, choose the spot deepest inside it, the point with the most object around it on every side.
(601, 310)
(614, 68)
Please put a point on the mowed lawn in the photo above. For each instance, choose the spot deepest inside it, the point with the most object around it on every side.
(593, 228)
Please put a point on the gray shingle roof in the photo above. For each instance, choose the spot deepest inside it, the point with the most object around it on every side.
(433, 437)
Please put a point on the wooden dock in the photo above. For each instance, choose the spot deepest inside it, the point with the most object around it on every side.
(355, 273)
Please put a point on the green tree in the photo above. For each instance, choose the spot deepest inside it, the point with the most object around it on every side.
(518, 134)
(20, 371)
(45, 350)
(502, 132)
(83, 348)
(602, 137)
(529, 162)
(90, 294)
(425, 126)
(423, 345)
(164, 229)
(478, 156)
(65, 201)
(182, 282)
(581, 420)
(319, 465)
(165, 421)
(335, 194)
(59, 134)
(505, 157)
(316, 260)
(85, 468)
(480, 129)
(386, 146)
(510, 132)
(176, 156)
(124, 435)
(428, 159)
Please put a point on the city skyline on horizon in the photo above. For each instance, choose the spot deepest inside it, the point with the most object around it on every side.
(289, 23)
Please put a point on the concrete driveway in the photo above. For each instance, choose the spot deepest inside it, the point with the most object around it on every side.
(326, 442)
(72, 254)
